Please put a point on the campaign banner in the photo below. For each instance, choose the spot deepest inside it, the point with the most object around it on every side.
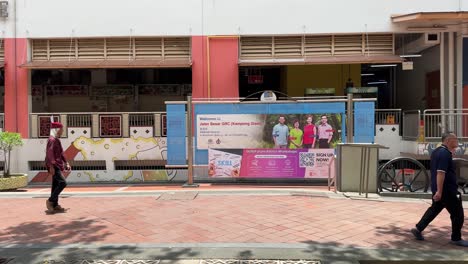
(268, 131)
(271, 163)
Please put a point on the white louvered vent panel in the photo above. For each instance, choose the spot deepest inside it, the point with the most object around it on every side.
(379, 44)
(176, 48)
(119, 48)
(256, 47)
(39, 50)
(318, 46)
(91, 49)
(287, 47)
(62, 49)
(348, 45)
(148, 48)
(2, 50)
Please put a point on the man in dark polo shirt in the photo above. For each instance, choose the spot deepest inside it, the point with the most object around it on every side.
(444, 191)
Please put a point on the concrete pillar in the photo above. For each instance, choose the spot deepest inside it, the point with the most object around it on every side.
(451, 82)
(459, 81)
(17, 87)
(442, 78)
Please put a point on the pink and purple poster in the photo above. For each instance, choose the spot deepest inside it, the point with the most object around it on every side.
(271, 163)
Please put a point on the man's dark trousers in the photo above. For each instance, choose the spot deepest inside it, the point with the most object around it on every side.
(453, 204)
(58, 184)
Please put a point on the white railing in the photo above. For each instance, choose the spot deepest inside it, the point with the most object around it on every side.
(103, 124)
(438, 121)
(411, 122)
(387, 116)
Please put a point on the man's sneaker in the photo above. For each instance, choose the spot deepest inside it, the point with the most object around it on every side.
(417, 234)
(49, 206)
(461, 243)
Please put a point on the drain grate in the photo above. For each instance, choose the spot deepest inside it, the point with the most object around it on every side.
(257, 261)
(412, 262)
(203, 261)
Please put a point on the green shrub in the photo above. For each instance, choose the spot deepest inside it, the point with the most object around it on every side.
(8, 141)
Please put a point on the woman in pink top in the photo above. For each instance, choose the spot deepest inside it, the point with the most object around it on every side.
(310, 132)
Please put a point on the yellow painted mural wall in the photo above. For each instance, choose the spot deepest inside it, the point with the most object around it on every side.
(299, 77)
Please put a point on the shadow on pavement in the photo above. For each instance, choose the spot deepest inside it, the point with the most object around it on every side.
(47, 242)
(396, 244)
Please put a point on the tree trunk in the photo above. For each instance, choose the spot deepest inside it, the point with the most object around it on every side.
(4, 163)
(8, 167)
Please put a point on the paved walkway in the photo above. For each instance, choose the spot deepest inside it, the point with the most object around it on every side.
(288, 217)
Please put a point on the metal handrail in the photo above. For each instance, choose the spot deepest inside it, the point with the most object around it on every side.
(318, 100)
(412, 111)
(446, 109)
(331, 181)
(389, 110)
(438, 120)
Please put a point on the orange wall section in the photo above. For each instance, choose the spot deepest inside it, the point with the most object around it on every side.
(215, 71)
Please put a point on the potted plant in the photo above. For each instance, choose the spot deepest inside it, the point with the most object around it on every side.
(8, 180)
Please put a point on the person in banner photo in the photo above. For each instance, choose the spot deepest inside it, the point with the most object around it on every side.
(281, 133)
(295, 136)
(310, 132)
(325, 133)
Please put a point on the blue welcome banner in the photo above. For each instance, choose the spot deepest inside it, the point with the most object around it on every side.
(176, 134)
(364, 122)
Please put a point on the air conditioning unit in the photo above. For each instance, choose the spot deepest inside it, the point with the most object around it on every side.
(425, 41)
(3, 8)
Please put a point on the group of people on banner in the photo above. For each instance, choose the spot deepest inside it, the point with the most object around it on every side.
(307, 137)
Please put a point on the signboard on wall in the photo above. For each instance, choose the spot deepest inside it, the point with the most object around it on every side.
(407, 65)
(362, 90)
(319, 91)
(255, 79)
(270, 163)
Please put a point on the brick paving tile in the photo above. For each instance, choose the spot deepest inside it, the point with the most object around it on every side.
(226, 219)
